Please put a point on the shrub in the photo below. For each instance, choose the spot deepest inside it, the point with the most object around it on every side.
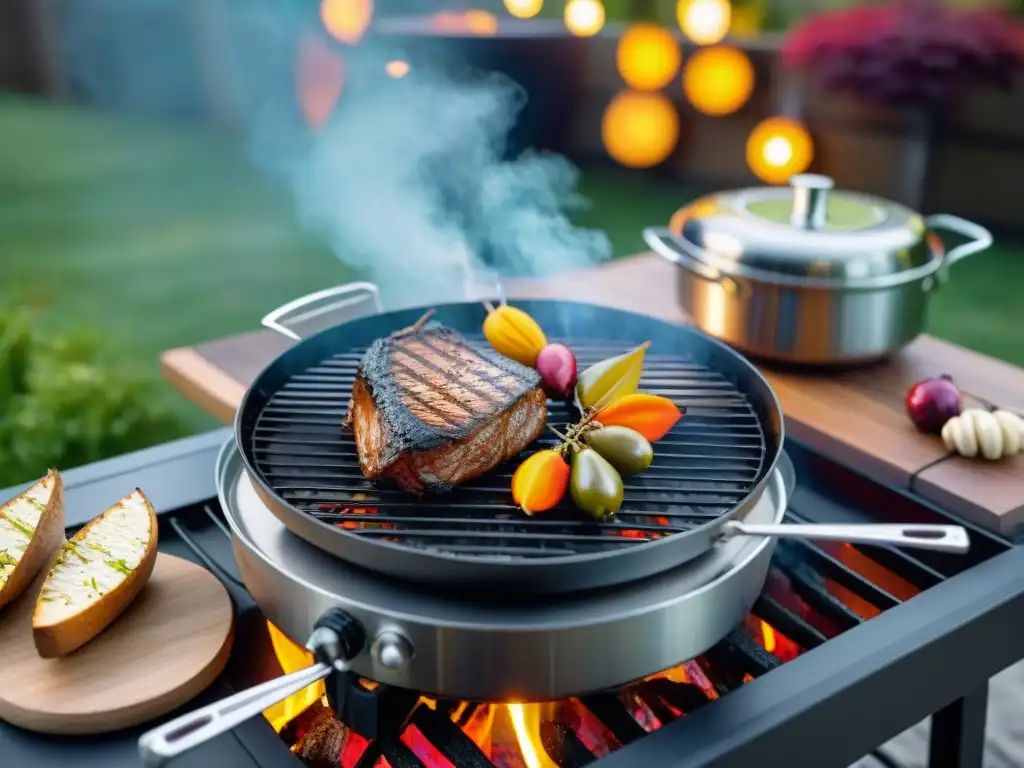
(63, 403)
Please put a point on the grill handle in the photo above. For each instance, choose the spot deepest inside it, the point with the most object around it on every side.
(938, 538)
(335, 641)
(325, 308)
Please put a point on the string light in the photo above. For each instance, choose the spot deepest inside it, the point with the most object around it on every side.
(648, 57)
(640, 130)
(718, 80)
(777, 148)
(346, 20)
(705, 22)
(584, 18)
(524, 9)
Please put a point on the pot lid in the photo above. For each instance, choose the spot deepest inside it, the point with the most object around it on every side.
(808, 230)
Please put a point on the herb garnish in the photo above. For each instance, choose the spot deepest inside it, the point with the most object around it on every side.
(20, 525)
(6, 558)
(72, 548)
(118, 565)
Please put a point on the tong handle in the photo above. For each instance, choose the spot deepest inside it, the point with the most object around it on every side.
(336, 639)
(938, 538)
(161, 745)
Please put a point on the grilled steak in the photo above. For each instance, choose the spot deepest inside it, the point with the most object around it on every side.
(430, 410)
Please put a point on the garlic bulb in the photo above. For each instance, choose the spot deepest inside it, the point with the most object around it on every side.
(993, 434)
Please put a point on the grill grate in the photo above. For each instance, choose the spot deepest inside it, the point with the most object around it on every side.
(707, 464)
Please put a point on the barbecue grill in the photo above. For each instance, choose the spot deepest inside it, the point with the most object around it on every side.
(711, 467)
(938, 633)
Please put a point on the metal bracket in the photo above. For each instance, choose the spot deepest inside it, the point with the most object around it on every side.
(317, 311)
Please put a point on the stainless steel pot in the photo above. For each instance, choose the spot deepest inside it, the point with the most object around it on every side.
(810, 275)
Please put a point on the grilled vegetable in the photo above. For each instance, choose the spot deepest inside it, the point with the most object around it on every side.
(624, 448)
(31, 530)
(556, 365)
(540, 482)
(514, 334)
(650, 415)
(95, 576)
(605, 382)
(595, 485)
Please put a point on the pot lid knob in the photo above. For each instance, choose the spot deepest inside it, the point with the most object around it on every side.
(810, 200)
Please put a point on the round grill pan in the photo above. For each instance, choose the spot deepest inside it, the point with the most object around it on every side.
(712, 466)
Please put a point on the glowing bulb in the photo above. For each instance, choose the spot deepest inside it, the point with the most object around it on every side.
(524, 9)
(778, 148)
(777, 151)
(346, 20)
(481, 22)
(648, 57)
(718, 80)
(584, 18)
(397, 68)
(640, 130)
(705, 22)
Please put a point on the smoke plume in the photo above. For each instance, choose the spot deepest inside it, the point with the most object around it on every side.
(409, 181)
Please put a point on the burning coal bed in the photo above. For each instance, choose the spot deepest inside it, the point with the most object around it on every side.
(799, 609)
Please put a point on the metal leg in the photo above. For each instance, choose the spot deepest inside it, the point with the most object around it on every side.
(958, 732)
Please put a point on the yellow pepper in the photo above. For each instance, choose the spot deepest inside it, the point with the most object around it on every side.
(513, 333)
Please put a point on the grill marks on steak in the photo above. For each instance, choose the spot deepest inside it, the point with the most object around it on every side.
(431, 411)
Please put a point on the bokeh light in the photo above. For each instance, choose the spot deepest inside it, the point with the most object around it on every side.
(524, 9)
(705, 22)
(320, 76)
(346, 20)
(718, 80)
(584, 18)
(640, 129)
(777, 148)
(472, 22)
(397, 68)
(648, 57)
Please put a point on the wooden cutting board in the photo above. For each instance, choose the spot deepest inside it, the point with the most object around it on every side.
(166, 648)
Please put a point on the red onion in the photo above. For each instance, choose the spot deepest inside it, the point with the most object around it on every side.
(556, 365)
(933, 402)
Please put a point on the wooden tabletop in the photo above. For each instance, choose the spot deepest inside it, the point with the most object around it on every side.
(856, 417)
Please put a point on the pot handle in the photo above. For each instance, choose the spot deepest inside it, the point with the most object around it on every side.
(667, 245)
(980, 239)
(324, 308)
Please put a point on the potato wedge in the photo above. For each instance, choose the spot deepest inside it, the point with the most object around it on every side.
(31, 530)
(95, 576)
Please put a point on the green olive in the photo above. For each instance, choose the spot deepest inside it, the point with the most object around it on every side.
(624, 448)
(595, 485)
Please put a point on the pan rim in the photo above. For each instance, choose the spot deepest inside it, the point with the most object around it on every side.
(324, 536)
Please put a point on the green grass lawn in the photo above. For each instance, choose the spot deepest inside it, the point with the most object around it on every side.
(161, 237)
